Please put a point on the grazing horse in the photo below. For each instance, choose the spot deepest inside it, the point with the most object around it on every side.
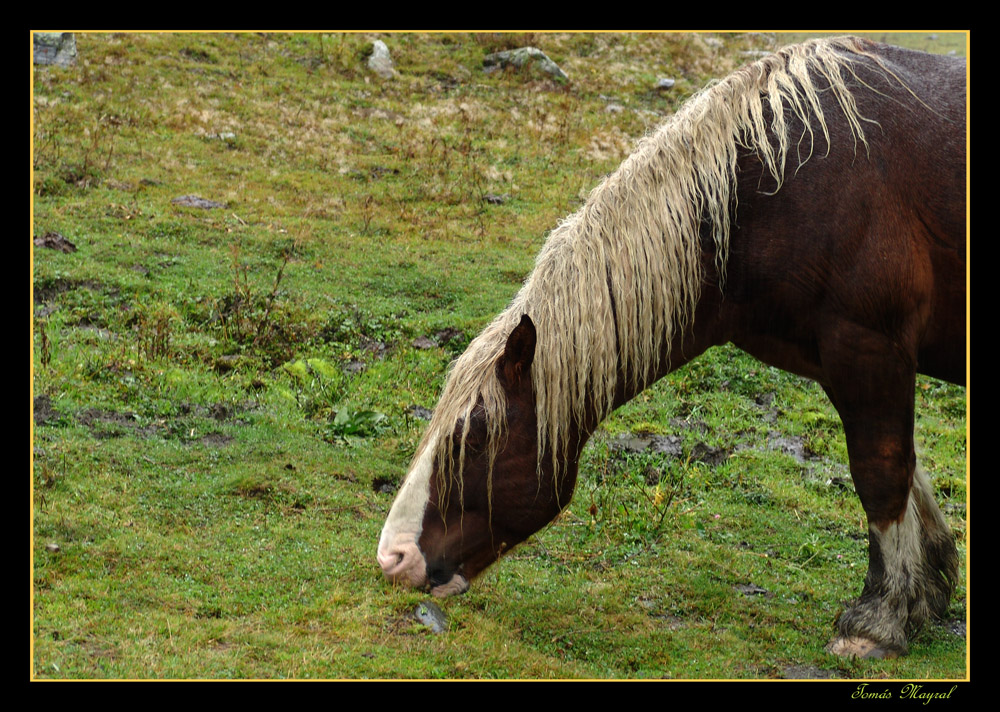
(810, 209)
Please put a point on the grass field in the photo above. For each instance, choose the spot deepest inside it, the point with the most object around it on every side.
(225, 398)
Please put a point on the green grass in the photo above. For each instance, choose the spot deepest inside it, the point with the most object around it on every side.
(223, 397)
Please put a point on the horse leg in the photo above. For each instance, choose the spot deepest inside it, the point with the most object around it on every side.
(912, 558)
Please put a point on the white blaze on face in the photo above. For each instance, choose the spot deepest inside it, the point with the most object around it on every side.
(398, 553)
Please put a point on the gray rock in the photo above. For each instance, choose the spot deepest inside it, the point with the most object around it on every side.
(57, 48)
(55, 241)
(749, 589)
(521, 57)
(665, 83)
(431, 616)
(419, 412)
(380, 62)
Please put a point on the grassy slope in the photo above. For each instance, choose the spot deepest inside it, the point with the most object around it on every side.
(206, 504)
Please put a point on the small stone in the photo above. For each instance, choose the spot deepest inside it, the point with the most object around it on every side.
(430, 615)
(419, 412)
(664, 83)
(380, 62)
(55, 241)
(521, 57)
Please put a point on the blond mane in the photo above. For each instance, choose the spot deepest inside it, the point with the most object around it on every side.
(619, 279)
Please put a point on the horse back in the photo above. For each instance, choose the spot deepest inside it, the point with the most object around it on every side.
(867, 232)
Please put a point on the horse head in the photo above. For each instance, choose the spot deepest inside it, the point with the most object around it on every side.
(451, 520)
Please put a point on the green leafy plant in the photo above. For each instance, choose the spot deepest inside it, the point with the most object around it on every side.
(359, 423)
(319, 385)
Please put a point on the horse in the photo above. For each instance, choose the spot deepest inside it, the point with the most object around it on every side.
(809, 208)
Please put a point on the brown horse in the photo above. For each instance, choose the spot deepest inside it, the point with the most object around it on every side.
(809, 208)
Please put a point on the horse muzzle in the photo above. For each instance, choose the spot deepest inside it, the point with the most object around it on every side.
(402, 562)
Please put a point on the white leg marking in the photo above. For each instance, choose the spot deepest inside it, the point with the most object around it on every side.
(917, 563)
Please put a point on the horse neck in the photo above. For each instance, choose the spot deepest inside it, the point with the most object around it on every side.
(708, 328)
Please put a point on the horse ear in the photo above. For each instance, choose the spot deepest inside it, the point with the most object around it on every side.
(518, 354)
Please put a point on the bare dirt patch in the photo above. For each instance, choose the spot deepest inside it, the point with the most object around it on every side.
(807, 672)
(215, 440)
(43, 410)
(104, 424)
(55, 287)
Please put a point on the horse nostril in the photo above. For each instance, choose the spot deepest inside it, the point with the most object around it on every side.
(391, 561)
(403, 562)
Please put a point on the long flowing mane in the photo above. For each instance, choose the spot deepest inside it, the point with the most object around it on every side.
(620, 278)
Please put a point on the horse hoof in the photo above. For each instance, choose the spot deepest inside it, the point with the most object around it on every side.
(855, 647)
